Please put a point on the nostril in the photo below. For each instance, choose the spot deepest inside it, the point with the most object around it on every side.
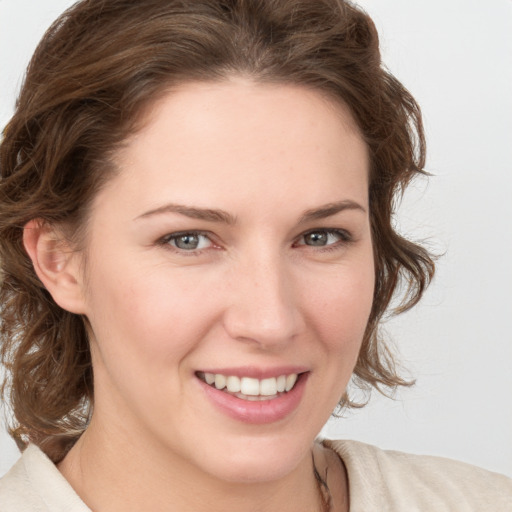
(263, 325)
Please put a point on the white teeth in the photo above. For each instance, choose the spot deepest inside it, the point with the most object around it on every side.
(233, 384)
(268, 387)
(250, 388)
(220, 381)
(281, 383)
(290, 381)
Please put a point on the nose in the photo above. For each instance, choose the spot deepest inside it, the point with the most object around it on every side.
(263, 303)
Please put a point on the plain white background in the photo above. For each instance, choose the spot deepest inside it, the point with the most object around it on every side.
(455, 56)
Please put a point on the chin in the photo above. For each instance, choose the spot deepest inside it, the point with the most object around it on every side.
(258, 460)
(254, 471)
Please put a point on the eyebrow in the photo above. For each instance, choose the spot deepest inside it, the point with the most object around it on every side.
(215, 215)
(330, 209)
(207, 214)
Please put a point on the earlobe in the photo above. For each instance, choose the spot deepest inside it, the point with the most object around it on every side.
(56, 264)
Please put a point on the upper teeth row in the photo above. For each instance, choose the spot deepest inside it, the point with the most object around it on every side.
(250, 386)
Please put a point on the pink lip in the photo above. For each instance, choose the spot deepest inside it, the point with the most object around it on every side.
(257, 412)
(257, 373)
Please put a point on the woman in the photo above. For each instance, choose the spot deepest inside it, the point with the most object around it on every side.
(197, 248)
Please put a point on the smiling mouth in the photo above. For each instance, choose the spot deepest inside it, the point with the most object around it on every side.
(248, 388)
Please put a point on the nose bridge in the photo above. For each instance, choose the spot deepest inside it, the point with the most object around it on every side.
(263, 306)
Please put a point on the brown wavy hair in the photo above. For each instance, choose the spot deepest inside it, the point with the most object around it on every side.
(95, 72)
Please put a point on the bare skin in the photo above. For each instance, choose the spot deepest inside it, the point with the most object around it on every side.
(279, 497)
(235, 238)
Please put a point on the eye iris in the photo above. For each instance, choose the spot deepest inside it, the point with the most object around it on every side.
(317, 238)
(187, 241)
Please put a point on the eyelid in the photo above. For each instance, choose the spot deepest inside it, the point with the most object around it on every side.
(345, 238)
(165, 241)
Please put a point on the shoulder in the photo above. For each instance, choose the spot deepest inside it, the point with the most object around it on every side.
(35, 484)
(383, 480)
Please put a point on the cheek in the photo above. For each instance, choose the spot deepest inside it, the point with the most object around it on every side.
(343, 305)
(144, 327)
(146, 313)
(339, 312)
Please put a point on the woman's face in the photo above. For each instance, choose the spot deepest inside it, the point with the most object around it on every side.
(234, 245)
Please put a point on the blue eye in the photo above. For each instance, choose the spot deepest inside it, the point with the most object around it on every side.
(324, 237)
(191, 241)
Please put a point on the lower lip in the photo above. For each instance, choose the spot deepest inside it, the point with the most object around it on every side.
(257, 412)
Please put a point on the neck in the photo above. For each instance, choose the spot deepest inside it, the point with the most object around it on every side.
(114, 471)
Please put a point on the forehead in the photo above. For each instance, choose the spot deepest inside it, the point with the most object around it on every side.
(243, 138)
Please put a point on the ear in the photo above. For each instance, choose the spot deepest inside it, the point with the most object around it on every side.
(56, 264)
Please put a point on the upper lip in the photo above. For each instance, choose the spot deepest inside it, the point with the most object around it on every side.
(256, 372)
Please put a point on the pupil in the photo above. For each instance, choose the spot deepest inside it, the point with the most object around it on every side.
(187, 242)
(316, 239)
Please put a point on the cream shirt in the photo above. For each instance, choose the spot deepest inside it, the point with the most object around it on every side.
(379, 481)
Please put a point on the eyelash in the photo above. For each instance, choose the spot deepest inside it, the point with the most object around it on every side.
(165, 241)
(344, 238)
